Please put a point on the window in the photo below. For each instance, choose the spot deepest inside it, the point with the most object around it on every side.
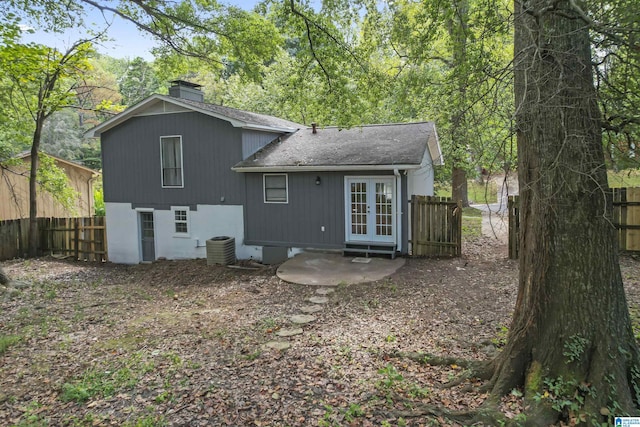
(181, 220)
(275, 188)
(171, 153)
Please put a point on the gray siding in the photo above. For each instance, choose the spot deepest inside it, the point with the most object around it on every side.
(210, 147)
(253, 140)
(298, 223)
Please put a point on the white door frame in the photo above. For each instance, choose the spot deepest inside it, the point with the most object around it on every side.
(139, 213)
(367, 211)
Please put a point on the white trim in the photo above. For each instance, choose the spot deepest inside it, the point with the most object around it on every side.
(264, 187)
(371, 215)
(439, 160)
(139, 233)
(181, 163)
(283, 169)
(135, 109)
(186, 221)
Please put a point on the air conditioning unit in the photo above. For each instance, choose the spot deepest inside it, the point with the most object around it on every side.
(221, 250)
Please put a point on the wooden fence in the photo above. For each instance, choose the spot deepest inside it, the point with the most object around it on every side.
(78, 238)
(436, 227)
(626, 218)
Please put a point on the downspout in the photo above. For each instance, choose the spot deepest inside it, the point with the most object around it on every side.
(398, 209)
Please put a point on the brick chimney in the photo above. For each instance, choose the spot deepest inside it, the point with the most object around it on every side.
(186, 90)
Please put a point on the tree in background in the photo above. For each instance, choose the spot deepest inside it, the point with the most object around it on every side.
(454, 63)
(138, 81)
(618, 85)
(43, 81)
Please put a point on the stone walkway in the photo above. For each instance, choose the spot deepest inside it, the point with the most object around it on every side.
(299, 320)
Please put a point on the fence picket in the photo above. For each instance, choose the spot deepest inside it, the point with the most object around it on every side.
(436, 226)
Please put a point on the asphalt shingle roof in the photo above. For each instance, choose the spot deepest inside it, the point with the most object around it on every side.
(390, 144)
(240, 115)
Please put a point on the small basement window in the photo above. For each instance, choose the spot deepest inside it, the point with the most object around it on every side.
(275, 188)
(181, 220)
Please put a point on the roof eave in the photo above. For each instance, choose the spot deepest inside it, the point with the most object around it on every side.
(131, 111)
(250, 126)
(436, 152)
(324, 168)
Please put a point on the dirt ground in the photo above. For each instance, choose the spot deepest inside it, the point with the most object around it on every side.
(182, 343)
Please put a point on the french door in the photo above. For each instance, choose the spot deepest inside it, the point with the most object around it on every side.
(370, 209)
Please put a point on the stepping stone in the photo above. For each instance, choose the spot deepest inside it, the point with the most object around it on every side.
(302, 319)
(318, 300)
(324, 291)
(278, 345)
(289, 332)
(310, 309)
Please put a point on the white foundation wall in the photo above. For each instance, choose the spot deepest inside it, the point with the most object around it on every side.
(123, 235)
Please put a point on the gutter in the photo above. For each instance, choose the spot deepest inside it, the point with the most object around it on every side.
(324, 168)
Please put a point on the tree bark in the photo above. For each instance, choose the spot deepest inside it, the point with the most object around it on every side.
(458, 28)
(570, 339)
(33, 189)
(459, 190)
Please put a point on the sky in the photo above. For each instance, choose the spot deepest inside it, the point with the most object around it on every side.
(126, 40)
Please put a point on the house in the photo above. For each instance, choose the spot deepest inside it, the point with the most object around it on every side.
(178, 171)
(14, 190)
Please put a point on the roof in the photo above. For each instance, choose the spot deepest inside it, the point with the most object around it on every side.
(237, 118)
(389, 146)
(25, 154)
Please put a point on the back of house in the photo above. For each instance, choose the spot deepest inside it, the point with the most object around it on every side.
(178, 172)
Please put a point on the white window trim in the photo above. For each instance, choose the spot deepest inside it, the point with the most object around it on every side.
(188, 220)
(181, 163)
(264, 187)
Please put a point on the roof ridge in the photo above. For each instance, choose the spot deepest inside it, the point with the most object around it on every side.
(373, 125)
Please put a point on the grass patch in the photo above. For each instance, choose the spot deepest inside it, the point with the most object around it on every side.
(106, 382)
(625, 178)
(129, 342)
(98, 383)
(482, 193)
(471, 212)
(7, 341)
(471, 222)
(477, 193)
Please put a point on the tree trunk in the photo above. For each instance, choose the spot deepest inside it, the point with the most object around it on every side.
(459, 189)
(458, 28)
(570, 344)
(33, 187)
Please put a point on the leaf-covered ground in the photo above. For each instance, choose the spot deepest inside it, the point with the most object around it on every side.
(182, 343)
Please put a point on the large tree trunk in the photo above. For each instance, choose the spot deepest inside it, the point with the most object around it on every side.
(571, 335)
